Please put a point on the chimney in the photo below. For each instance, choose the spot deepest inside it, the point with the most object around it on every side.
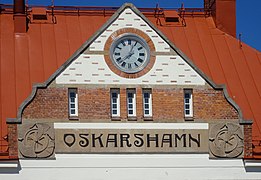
(20, 24)
(224, 14)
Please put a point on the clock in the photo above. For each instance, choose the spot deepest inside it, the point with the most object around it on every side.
(130, 53)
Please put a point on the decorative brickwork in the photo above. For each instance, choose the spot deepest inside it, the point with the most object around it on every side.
(248, 140)
(94, 104)
(12, 141)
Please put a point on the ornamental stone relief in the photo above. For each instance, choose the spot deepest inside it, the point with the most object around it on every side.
(226, 140)
(36, 140)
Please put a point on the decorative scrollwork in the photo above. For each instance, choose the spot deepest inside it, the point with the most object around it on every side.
(36, 141)
(226, 140)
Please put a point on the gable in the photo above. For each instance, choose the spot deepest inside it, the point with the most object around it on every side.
(91, 66)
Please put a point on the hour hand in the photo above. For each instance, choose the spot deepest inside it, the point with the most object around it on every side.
(130, 54)
(126, 57)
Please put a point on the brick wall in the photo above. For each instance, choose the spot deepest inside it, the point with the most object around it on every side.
(52, 103)
(248, 140)
(48, 103)
(94, 103)
(12, 141)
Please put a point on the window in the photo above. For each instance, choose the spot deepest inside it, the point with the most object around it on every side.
(147, 103)
(188, 106)
(115, 102)
(73, 102)
(131, 102)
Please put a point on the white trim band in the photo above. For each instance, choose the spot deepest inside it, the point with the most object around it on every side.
(12, 164)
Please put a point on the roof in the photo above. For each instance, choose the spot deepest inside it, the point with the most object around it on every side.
(32, 57)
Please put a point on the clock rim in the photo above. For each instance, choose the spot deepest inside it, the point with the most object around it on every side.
(141, 41)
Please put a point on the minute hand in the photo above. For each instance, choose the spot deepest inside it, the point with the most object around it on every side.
(127, 57)
(131, 50)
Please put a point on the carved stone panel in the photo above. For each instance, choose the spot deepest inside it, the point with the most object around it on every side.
(226, 140)
(36, 140)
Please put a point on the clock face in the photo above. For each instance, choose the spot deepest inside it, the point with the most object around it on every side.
(130, 53)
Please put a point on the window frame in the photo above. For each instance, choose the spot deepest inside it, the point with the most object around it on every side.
(190, 103)
(133, 91)
(76, 100)
(149, 103)
(117, 91)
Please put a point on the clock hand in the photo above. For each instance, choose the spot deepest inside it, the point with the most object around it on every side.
(130, 54)
(126, 57)
(131, 50)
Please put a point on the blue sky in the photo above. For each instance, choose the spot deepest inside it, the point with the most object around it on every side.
(248, 12)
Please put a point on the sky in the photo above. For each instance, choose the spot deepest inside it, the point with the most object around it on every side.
(248, 12)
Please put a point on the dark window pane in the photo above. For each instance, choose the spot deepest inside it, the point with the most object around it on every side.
(114, 100)
(130, 95)
(114, 95)
(187, 95)
(114, 106)
(147, 112)
(146, 106)
(72, 94)
(72, 105)
(72, 111)
(114, 112)
(187, 111)
(186, 100)
(146, 100)
(146, 95)
(130, 111)
(130, 106)
(187, 106)
(130, 100)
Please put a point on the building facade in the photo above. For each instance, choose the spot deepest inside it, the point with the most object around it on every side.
(126, 102)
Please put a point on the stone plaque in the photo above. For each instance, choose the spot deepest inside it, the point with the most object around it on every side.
(226, 140)
(131, 140)
(36, 140)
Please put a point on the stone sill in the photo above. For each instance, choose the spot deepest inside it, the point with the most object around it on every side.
(75, 118)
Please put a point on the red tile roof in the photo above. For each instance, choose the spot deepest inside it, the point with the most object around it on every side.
(32, 57)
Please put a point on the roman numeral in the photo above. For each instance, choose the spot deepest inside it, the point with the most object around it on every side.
(140, 48)
(136, 64)
(117, 54)
(118, 47)
(123, 64)
(118, 59)
(129, 42)
(123, 43)
(140, 60)
(141, 54)
(135, 43)
(129, 65)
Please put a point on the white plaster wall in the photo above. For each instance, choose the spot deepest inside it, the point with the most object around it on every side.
(92, 69)
(130, 167)
(128, 19)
